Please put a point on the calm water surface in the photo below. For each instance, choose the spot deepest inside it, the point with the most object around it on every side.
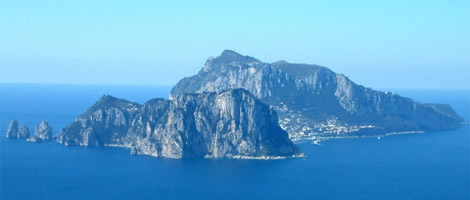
(421, 166)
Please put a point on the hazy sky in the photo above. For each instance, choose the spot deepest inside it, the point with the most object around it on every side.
(389, 44)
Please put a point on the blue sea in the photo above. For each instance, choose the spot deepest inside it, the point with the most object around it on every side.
(433, 165)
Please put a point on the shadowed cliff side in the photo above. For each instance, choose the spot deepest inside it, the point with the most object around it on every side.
(314, 101)
(232, 124)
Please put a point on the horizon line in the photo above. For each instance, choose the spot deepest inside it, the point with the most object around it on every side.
(168, 85)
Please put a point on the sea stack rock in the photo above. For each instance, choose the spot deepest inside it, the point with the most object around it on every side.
(23, 132)
(42, 133)
(13, 129)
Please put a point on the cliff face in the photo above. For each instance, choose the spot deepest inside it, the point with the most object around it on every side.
(15, 133)
(23, 132)
(12, 131)
(42, 133)
(230, 124)
(313, 100)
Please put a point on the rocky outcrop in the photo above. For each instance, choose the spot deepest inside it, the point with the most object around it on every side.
(42, 133)
(15, 133)
(314, 101)
(12, 131)
(23, 133)
(231, 124)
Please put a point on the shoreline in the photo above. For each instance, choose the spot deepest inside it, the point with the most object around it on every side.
(318, 139)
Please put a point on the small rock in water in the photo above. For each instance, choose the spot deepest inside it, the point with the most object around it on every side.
(133, 151)
(23, 132)
(42, 133)
(15, 133)
(13, 129)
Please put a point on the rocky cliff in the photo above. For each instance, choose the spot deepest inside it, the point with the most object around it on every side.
(232, 124)
(314, 101)
(42, 133)
(23, 133)
(12, 131)
(15, 133)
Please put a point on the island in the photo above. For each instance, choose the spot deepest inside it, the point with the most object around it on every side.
(240, 107)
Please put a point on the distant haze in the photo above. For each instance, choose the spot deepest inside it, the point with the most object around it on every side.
(388, 44)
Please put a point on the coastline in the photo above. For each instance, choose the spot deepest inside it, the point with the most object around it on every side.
(318, 139)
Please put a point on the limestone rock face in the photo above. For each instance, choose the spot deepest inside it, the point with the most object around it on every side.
(12, 131)
(232, 124)
(23, 133)
(313, 100)
(42, 133)
(15, 133)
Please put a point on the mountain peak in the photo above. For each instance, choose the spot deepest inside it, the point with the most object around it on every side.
(228, 52)
(107, 97)
(280, 62)
(229, 56)
(151, 130)
(297, 69)
(318, 95)
(43, 123)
